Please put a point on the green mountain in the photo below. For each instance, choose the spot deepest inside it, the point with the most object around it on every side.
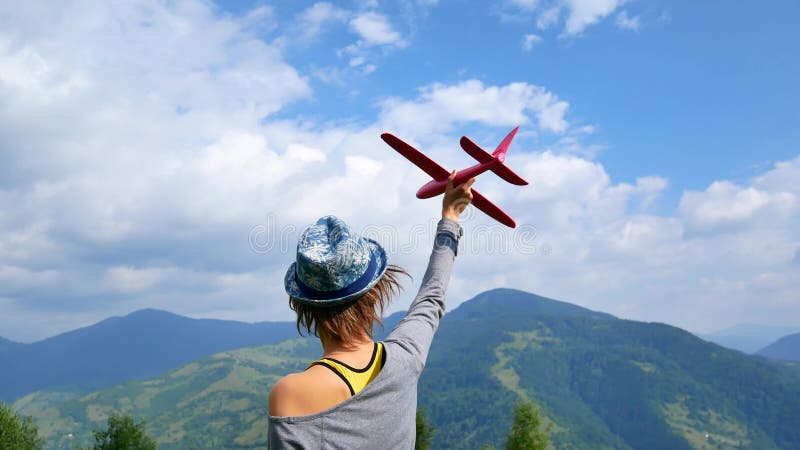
(502, 302)
(141, 345)
(216, 402)
(605, 383)
(602, 382)
(138, 346)
(786, 348)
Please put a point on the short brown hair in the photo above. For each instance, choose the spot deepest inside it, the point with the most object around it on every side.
(345, 323)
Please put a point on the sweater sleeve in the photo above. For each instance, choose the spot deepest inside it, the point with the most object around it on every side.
(415, 332)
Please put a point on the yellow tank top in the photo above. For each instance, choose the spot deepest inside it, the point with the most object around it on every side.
(356, 379)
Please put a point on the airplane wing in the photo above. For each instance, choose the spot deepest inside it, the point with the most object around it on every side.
(500, 169)
(491, 209)
(475, 150)
(428, 165)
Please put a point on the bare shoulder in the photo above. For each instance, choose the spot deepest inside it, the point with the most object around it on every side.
(309, 392)
(282, 394)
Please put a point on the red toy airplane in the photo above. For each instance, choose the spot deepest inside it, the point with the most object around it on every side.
(486, 161)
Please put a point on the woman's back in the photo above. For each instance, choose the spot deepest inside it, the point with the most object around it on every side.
(325, 382)
(382, 415)
(339, 285)
(375, 418)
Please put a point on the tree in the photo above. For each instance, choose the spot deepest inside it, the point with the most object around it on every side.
(123, 433)
(17, 432)
(527, 431)
(424, 432)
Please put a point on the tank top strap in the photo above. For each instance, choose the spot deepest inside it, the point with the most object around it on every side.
(356, 379)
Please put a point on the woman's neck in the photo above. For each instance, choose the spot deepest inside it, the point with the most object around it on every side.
(332, 347)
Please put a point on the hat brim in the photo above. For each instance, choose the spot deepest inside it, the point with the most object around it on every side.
(290, 280)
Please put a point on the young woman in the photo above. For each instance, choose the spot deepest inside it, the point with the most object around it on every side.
(361, 394)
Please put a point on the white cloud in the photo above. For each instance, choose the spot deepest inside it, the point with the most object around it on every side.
(605, 248)
(726, 204)
(375, 29)
(529, 40)
(628, 23)
(313, 20)
(304, 153)
(357, 61)
(650, 187)
(783, 177)
(439, 107)
(362, 166)
(548, 17)
(578, 14)
(129, 142)
(376, 36)
(583, 13)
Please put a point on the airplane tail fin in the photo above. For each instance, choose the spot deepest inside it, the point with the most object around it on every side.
(482, 156)
(503, 147)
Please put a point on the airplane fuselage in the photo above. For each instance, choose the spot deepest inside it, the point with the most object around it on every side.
(437, 187)
(486, 161)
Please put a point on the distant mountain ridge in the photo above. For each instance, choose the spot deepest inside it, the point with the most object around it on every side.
(747, 337)
(7, 342)
(786, 348)
(506, 300)
(604, 383)
(142, 344)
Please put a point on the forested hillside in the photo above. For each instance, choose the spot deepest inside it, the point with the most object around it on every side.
(612, 383)
(602, 382)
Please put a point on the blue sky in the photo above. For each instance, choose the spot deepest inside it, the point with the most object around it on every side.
(697, 92)
(147, 145)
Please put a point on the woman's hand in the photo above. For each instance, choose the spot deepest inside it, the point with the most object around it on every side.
(456, 198)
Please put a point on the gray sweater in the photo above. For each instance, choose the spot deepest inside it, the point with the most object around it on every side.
(382, 415)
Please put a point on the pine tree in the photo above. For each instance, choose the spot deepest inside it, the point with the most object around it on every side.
(527, 431)
(424, 432)
(17, 432)
(123, 433)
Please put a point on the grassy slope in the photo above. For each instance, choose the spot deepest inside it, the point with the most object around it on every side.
(216, 402)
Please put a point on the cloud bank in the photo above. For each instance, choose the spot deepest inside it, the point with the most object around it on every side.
(147, 161)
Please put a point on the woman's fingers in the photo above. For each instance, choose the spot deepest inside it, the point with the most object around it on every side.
(466, 186)
(456, 198)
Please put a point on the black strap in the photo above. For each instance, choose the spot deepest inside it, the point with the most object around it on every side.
(362, 370)
(333, 369)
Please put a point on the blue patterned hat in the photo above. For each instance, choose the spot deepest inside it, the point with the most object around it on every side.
(333, 265)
